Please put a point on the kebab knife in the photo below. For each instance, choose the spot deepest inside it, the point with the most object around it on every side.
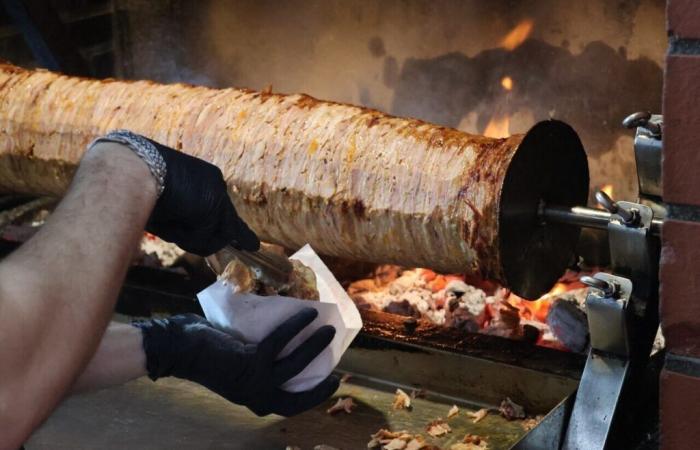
(269, 268)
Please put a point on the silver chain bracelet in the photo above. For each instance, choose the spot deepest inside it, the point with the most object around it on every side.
(143, 148)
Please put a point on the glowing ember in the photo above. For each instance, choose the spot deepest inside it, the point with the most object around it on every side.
(517, 35)
(498, 127)
(507, 83)
(476, 306)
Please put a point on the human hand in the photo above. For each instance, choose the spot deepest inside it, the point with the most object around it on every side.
(187, 346)
(193, 209)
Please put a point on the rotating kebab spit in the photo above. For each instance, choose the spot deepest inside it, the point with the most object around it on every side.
(622, 309)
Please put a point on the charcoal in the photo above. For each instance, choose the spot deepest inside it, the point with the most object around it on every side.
(568, 323)
(402, 308)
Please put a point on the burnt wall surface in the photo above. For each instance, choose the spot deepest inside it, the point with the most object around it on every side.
(588, 63)
(75, 35)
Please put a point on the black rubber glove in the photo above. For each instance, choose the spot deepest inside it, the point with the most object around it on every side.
(194, 211)
(187, 346)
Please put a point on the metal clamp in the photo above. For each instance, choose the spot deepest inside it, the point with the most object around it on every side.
(630, 216)
(608, 289)
(642, 119)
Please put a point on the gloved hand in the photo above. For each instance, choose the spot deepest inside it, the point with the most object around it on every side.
(187, 346)
(194, 211)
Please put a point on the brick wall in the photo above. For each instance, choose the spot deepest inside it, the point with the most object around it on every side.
(680, 258)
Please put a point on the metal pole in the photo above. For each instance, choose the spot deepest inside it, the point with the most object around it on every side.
(586, 217)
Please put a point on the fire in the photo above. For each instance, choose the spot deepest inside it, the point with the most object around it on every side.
(517, 35)
(558, 288)
(507, 83)
(538, 309)
(471, 304)
(608, 189)
(498, 127)
(535, 310)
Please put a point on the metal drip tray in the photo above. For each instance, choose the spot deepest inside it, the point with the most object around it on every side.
(176, 414)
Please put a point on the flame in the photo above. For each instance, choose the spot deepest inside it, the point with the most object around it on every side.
(531, 309)
(608, 189)
(498, 127)
(558, 288)
(507, 83)
(517, 35)
(538, 309)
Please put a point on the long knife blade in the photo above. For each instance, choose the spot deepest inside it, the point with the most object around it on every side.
(269, 268)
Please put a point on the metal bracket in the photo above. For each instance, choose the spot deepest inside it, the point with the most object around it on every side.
(607, 315)
(648, 148)
(607, 365)
(647, 151)
(622, 320)
(632, 250)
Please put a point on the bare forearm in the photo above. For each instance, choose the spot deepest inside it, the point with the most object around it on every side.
(58, 290)
(119, 358)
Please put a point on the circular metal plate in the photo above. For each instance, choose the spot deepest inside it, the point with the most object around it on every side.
(550, 166)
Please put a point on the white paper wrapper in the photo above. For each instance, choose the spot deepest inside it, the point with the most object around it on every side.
(252, 317)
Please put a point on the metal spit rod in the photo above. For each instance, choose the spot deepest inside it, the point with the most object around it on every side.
(586, 217)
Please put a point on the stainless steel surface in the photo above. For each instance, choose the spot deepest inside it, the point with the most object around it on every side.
(648, 150)
(551, 168)
(598, 394)
(549, 434)
(596, 402)
(177, 414)
(607, 316)
(581, 216)
(455, 376)
(632, 250)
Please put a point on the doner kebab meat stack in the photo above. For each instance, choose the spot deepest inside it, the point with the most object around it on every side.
(352, 182)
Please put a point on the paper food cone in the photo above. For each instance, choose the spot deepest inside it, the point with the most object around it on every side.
(252, 317)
